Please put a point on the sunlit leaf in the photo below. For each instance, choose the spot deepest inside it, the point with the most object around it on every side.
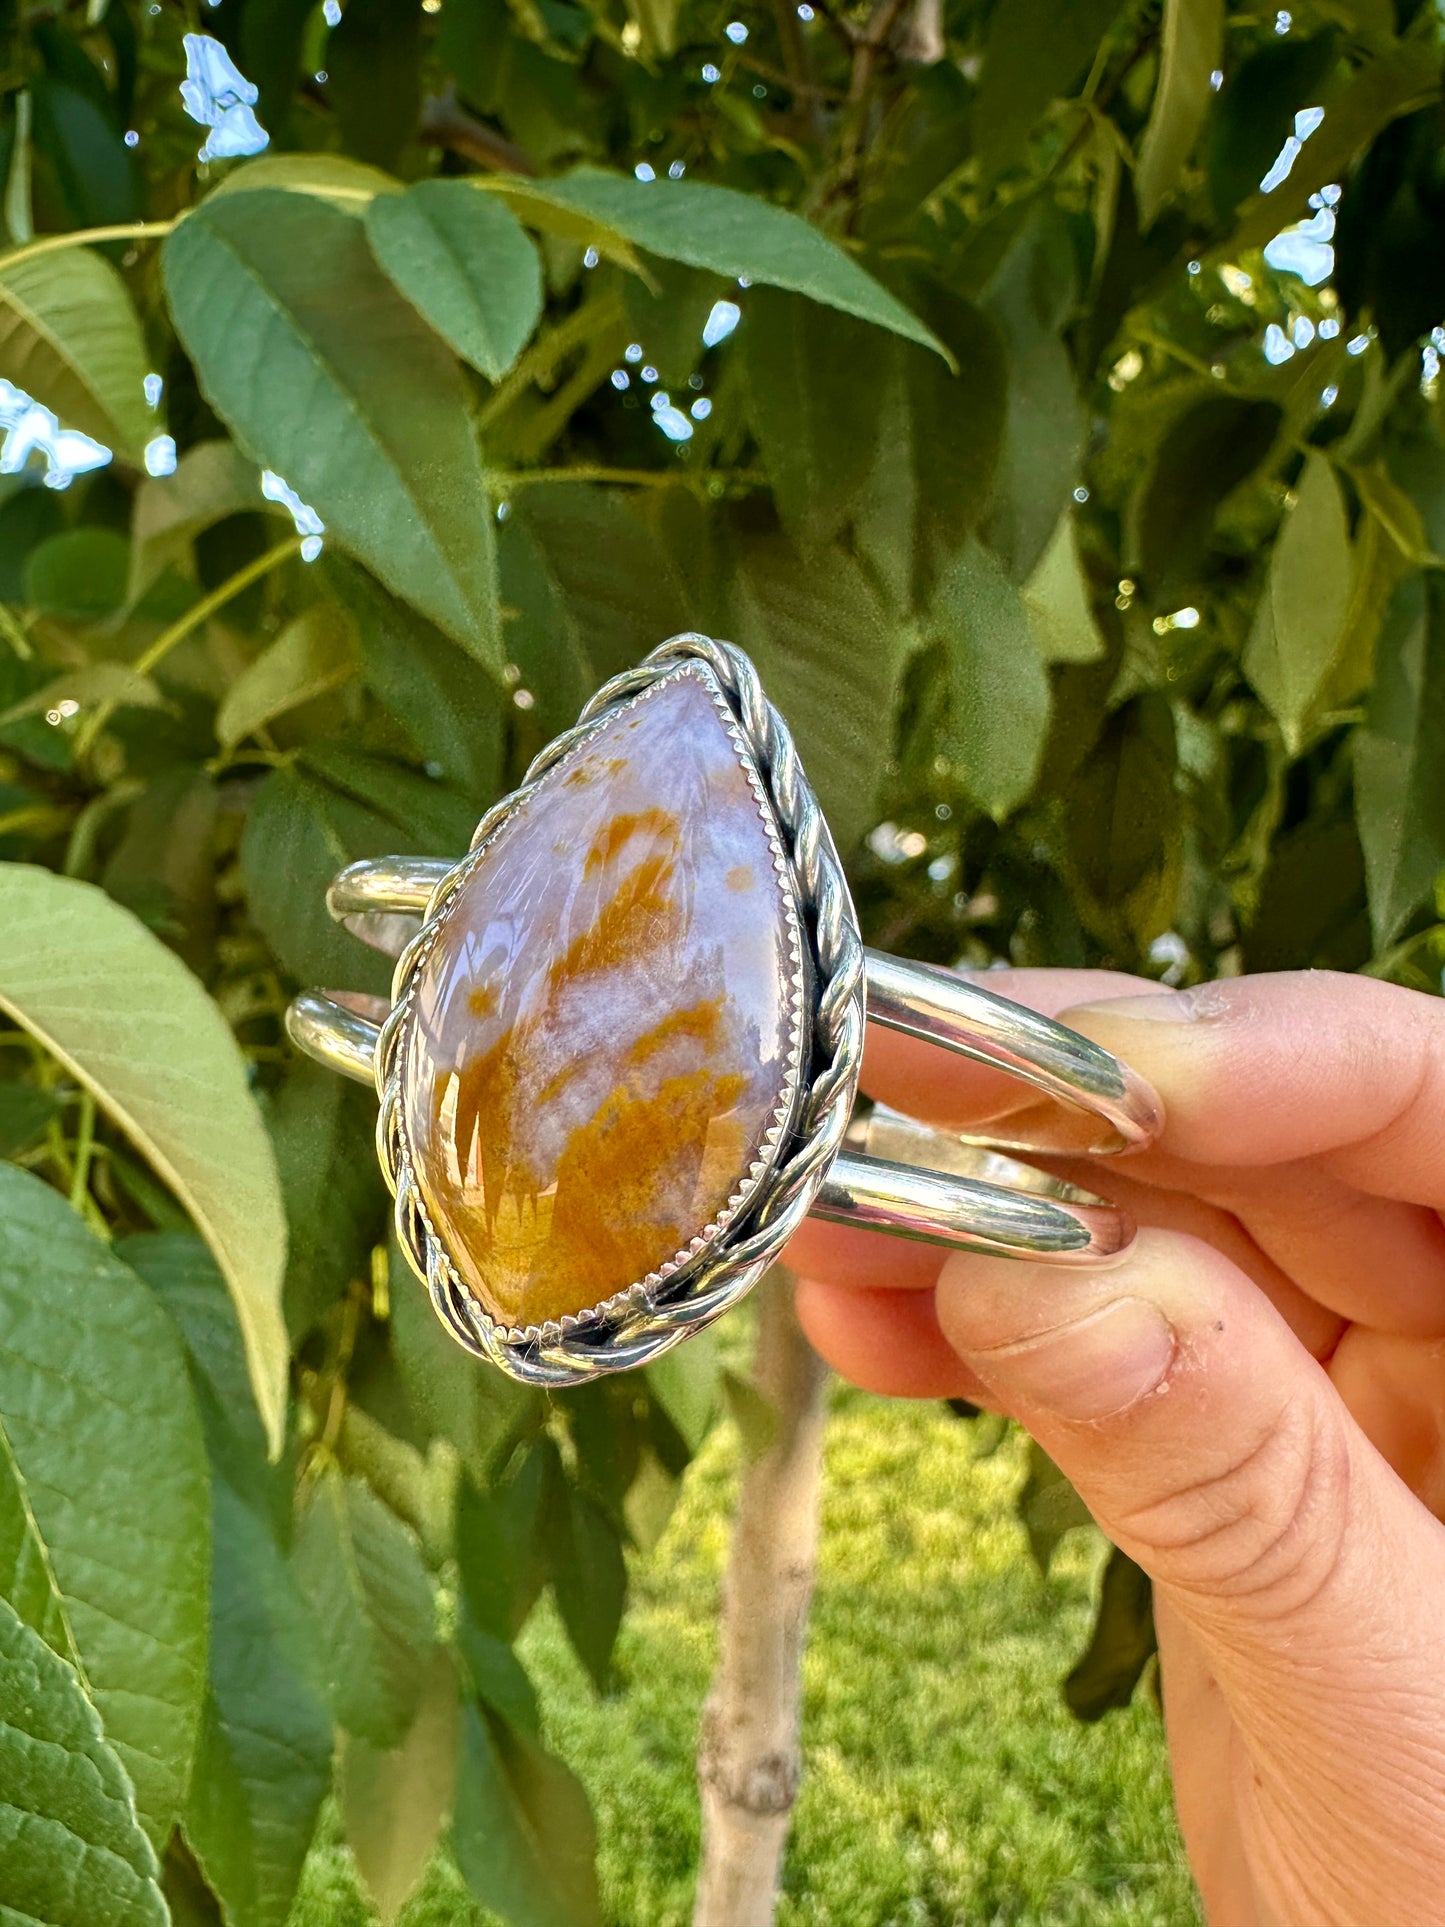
(395, 1804)
(1057, 604)
(129, 1020)
(70, 338)
(1300, 619)
(348, 184)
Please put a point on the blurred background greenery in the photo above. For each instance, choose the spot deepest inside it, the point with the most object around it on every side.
(1050, 399)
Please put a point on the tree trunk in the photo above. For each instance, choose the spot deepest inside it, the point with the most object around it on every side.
(749, 1758)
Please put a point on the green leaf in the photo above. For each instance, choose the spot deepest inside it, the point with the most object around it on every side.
(729, 233)
(450, 706)
(1209, 447)
(183, 1275)
(76, 131)
(1057, 603)
(27, 1578)
(1372, 95)
(345, 392)
(831, 658)
(314, 654)
(70, 1845)
(308, 821)
(347, 184)
(1299, 623)
(686, 1382)
(1192, 49)
(1121, 814)
(589, 1582)
(609, 589)
(263, 1766)
(212, 480)
(814, 410)
(453, 1395)
(24, 1114)
(497, 1677)
(115, 683)
(336, 1203)
(106, 1452)
(69, 336)
(1036, 52)
(1399, 771)
(523, 1834)
(374, 58)
(464, 262)
(80, 573)
(1257, 104)
(129, 1021)
(1000, 708)
(1038, 463)
(755, 1416)
(363, 1578)
(938, 442)
(505, 1541)
(395, 1804)
(668, 312)
(1049, 1506)
(1122, 1644)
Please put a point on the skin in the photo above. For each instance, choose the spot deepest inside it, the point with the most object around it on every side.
(1251, 1400)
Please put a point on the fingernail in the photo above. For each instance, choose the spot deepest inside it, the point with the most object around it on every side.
(1162, 1007)
(1090, 1369)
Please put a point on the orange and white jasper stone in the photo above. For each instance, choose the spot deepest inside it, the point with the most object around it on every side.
(605, 1034)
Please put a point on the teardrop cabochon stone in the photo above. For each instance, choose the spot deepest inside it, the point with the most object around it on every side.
(606, 1036)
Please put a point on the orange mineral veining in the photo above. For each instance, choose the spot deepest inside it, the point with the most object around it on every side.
(605, 1030)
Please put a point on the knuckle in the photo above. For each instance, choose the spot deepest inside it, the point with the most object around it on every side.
(1266, 1529)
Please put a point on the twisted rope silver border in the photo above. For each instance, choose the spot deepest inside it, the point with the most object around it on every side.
(641, 1326)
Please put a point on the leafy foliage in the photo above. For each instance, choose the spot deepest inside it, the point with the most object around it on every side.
(966, 362)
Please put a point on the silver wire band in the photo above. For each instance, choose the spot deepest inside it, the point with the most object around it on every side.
(978, 1201)
(921, 1000)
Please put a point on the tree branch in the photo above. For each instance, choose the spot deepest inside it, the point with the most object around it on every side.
(445, 123)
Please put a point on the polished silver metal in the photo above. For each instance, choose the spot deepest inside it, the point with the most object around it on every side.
(1111, 1107)
(952, 1203)
(893, 1174)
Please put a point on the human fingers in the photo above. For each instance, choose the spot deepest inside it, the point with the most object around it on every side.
(885, 1341)
(940, 1087)
(853, 1256)
(1215, 1451)
(1305, 1064)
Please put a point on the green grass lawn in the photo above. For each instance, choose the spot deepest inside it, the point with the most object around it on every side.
(945, 1781)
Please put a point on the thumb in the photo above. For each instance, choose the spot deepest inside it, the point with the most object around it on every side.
(1210, 1445)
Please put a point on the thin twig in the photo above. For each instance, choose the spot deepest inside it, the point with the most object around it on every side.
(86, 236)
(198, 613)
(446, 123)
